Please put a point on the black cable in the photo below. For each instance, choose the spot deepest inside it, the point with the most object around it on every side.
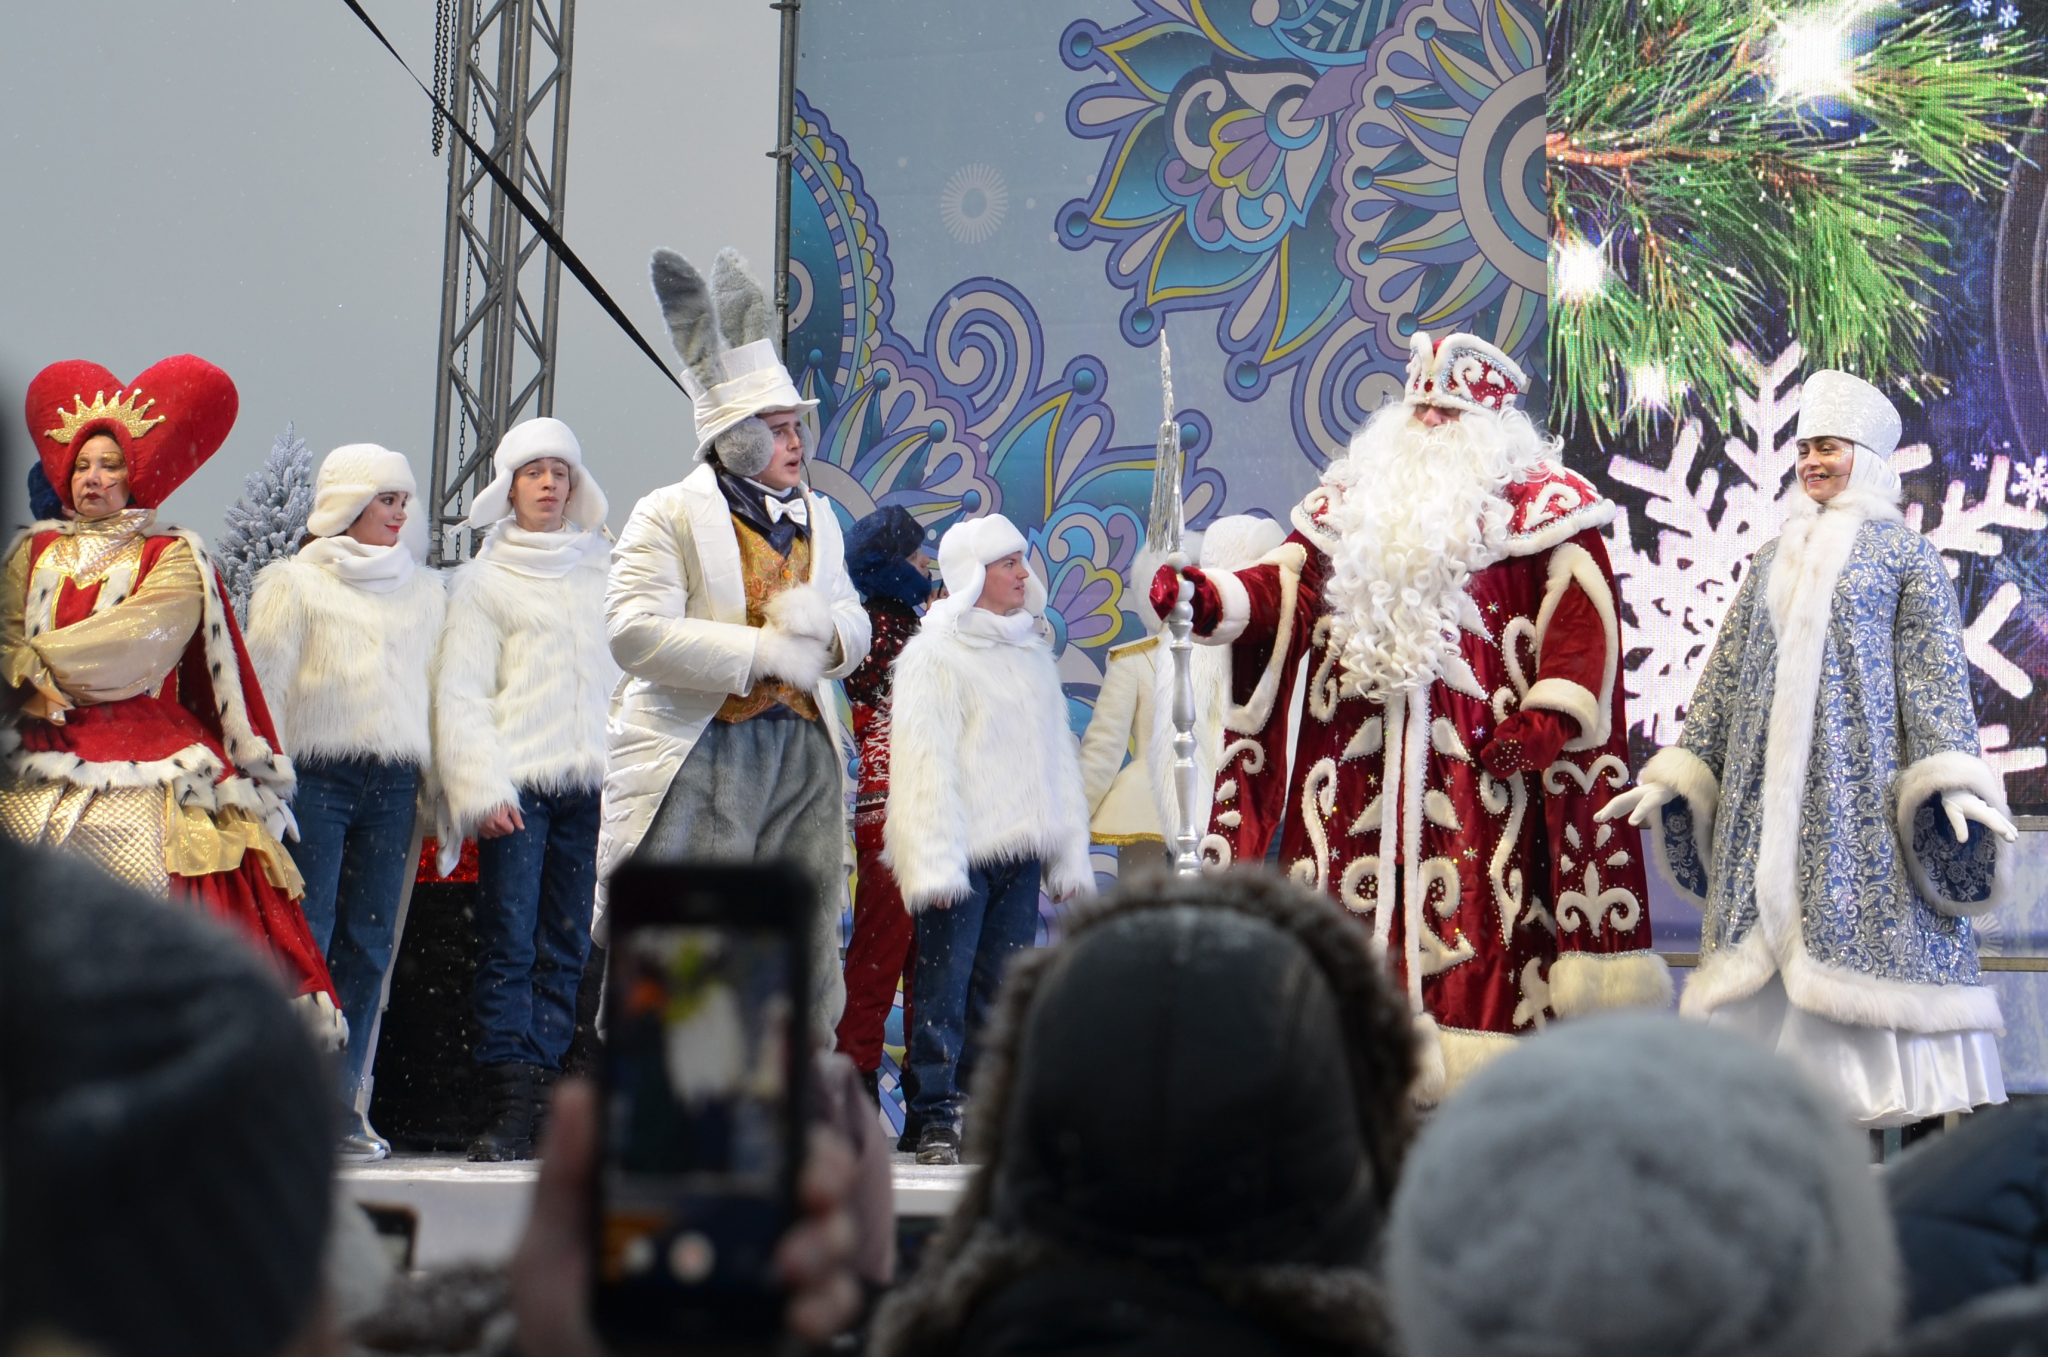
(533, 215)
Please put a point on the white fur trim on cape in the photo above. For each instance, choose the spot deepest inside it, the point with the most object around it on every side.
(1952, 772)
(1686, 775)
(1729, 975)
(1547, 507)
(1449, 1057)
(1573, 565)
(1583, 983)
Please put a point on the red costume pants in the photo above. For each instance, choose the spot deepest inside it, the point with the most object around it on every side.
(878, 955)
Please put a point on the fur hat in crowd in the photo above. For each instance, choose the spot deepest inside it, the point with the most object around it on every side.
(1642, 1185)
(167, 1128)
(350, 478)
(527, 442)
(1205, 1082)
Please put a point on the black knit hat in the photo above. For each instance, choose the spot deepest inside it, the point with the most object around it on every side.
(165, 1126)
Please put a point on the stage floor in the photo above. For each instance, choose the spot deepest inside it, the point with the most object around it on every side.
(472, 1211)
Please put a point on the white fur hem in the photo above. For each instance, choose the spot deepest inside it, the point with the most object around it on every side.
(1237, 607)
(1251, 719)
(1930, 777)
(1447, 1058)
(1687, 775)
(1554, 694)
(1729, 975)
(1581, 984)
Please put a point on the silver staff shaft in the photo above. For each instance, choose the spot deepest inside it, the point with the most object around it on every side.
(1180, 624)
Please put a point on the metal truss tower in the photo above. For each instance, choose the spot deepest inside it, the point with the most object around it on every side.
(504, 65)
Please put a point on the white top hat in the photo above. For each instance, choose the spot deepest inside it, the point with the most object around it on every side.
(754, 381)
(1843, 406)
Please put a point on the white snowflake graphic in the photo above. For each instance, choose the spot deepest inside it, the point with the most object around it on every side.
(2008, 15)
(1680, 587)
(1977, 462)
(1980, 8)
(1899, 159)
(1989, 42)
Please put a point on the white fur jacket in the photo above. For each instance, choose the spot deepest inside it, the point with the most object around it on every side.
(522, 683)
(345, 670)
(982, 762)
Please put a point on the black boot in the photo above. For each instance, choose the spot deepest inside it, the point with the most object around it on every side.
(871, 1082)
(508, 1129)
(543, 1096)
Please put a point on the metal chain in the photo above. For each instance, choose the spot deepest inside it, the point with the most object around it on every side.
(444, 23)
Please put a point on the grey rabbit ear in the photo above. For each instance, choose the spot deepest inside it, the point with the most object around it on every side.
(743, 311)
(692, 316)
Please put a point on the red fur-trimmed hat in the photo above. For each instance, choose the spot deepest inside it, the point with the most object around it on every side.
(168, 422)
(1462, 371)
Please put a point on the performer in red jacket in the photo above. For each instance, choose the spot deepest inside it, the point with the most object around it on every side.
(1447, 587)
(141, 740)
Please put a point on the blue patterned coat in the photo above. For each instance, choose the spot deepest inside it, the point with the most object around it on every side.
(1834, 709)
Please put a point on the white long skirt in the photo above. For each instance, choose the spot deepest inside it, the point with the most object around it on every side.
(1885, 1078)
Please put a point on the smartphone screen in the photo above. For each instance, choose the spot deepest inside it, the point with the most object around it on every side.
(702, 1126)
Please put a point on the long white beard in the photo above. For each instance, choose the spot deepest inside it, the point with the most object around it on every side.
(1418, 511)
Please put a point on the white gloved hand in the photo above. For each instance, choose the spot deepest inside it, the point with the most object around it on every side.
(1964, 808)
(1638, 803)
(800, 659)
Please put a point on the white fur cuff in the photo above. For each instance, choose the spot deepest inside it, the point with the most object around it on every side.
(1237, 607)
(1554, 694)
(1930, 777)
(1583, 983)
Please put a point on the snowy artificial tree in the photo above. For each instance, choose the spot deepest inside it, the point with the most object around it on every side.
(265, 525)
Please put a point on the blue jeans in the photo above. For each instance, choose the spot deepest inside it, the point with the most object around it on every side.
(533, 928)
(355, 818)
(962, 952)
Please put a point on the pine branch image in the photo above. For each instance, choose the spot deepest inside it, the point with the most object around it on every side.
(1724, 174)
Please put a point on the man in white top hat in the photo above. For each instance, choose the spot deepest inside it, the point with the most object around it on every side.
(1448, 590)
(729, 608)
(1827, 807)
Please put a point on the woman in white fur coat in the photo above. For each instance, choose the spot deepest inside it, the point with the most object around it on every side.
(342, 635)
(1840, 836)
(1133, 805)
(521, 686)
(984, 801)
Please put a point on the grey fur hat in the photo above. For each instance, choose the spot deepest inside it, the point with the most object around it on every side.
(1641, 1184)
(1204, 1084)
(730, 365)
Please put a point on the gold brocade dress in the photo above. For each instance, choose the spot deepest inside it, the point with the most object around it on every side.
(142, 741)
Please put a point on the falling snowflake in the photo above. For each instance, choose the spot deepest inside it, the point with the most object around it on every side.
(1899, 159)
(2008, 15)
(2030, 480)
(1679, 588)
(1977, 462)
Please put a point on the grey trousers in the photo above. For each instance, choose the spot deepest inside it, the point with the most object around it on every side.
(768, 788)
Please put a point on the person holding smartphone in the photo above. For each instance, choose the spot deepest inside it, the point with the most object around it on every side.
(985, 801)
(521, 684)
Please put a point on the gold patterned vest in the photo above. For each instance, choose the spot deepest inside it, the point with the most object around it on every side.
(767, 574)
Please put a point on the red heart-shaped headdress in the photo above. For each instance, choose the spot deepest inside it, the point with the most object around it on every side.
(168, 422)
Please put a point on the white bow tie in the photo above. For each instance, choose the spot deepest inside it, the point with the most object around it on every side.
(794, 509)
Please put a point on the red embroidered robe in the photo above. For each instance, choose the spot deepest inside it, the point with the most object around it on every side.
(1511, 904)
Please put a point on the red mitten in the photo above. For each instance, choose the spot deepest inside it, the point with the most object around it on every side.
(1528, 740)
(1208, 602)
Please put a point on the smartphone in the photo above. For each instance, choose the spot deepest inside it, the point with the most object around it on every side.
(704, 1078)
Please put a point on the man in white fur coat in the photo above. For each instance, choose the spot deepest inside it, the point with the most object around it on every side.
(729, 608)
(1827, 806)
(521, 684)
(1448, 590)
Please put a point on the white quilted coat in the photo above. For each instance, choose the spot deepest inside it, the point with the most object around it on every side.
(676, 610)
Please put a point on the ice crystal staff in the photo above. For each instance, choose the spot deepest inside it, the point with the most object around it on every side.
(1165, 532)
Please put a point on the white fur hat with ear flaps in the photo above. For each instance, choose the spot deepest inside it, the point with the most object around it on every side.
(730, 365)
(350, 478)
(964, 554)
(530, 441)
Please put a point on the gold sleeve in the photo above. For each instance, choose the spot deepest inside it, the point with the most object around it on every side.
(20, 667)
(127, 650)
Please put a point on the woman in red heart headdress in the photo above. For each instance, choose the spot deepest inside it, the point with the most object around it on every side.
(140, 737)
